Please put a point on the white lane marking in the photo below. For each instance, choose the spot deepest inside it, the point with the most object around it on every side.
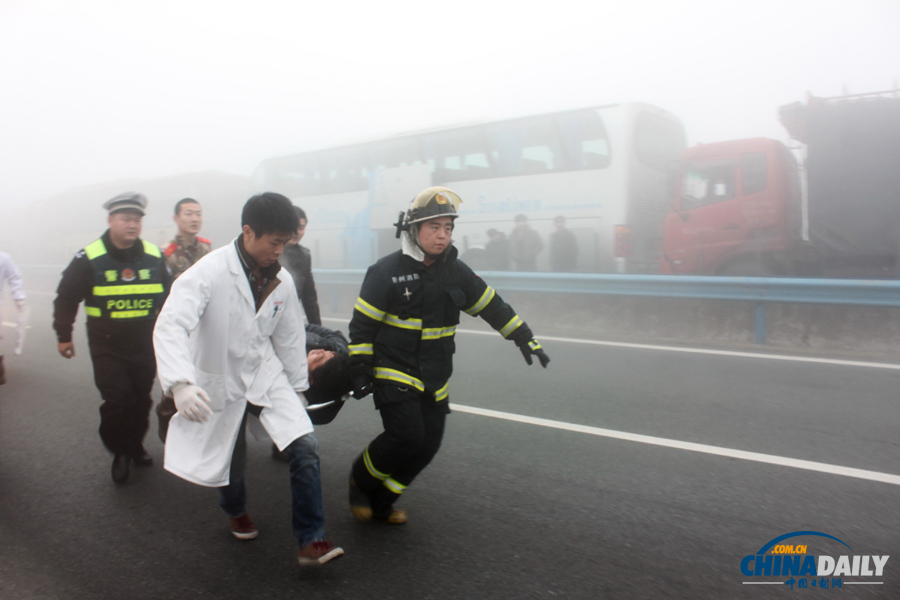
(690, 446)
(8, 324)
(809, 359)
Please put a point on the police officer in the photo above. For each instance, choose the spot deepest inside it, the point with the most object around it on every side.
(123, 282)
(401, 344)
(187, 247)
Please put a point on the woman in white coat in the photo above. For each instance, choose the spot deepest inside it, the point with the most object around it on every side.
(230, 341)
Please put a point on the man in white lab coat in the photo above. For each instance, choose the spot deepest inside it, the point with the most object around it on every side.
(229, 342)
(9, 272)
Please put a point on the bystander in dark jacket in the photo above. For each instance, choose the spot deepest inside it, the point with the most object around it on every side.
(496, 251)
(297, 260)
(563, 247)
(525, 245)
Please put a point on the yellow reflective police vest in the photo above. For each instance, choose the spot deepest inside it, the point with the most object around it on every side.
(130, 291)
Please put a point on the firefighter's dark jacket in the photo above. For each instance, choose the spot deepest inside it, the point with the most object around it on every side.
(80, 280)
(405, 319)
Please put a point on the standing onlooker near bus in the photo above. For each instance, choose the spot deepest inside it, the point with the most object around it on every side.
(10, 272)
(187, 248)
(496, 251)
(181, 254)
(298, 261)
(563, 247)
(525, 245)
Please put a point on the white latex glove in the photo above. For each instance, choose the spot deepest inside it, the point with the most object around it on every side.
(192, 402)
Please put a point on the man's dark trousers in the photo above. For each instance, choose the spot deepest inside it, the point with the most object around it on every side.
(124, 372)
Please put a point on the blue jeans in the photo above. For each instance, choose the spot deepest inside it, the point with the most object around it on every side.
(307, 510)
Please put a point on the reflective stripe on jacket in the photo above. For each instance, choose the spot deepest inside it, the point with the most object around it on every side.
(131, 291)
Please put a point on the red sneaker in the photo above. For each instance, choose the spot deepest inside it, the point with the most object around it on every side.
(243, 528)
(318, 553)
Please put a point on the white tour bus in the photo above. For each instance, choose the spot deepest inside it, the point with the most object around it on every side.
(608, 170)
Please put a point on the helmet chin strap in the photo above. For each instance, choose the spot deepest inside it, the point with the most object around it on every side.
(410, 246)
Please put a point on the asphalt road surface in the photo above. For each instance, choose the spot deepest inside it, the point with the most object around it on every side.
(554, 494)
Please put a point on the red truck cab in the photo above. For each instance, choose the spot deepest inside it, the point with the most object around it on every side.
(737, 211)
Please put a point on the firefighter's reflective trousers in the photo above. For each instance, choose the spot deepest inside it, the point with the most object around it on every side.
(413, 428)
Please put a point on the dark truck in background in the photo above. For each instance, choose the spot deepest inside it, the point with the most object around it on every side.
(740, 207)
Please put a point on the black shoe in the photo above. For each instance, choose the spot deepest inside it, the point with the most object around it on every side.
(142, 459)
(120, 468)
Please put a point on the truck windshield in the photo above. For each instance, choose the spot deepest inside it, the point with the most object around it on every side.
(707, 182)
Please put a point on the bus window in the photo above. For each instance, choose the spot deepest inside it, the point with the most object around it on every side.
(506, 148)
(584, 139)
(391, 154)
(351, 174)
(541, 151)
(457, 155)
(293, 176)
(708, 182)
(658, 141)
(323, 174)
(526, 147)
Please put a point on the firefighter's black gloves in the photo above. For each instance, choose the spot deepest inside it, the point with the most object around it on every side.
(362, 385)
(532, 346)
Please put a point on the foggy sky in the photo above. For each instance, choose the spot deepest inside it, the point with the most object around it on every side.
(94, 91)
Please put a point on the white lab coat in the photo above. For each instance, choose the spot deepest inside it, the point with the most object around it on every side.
(210, 334)
(9, 272)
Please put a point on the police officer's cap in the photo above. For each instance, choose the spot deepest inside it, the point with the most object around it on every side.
(127, 201)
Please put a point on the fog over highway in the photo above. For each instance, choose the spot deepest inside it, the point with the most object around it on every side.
(100, 91)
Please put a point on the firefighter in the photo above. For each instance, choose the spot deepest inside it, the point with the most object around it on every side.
(401, 347)
(123, 282)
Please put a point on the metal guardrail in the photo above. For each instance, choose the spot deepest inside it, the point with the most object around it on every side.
(754, 289)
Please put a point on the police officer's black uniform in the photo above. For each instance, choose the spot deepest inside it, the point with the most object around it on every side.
(123, 291)
(402, 334)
